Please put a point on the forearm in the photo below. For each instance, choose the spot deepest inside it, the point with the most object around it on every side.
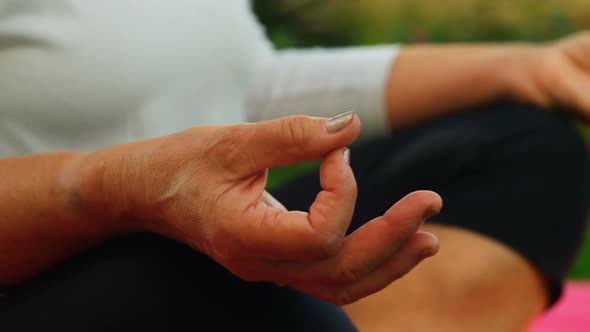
(428, 81)
(41, 221)
(56, 205)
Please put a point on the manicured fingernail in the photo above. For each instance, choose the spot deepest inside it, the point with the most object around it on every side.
(347, 156)
(339, 122)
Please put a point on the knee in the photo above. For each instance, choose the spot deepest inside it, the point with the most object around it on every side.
(534, 170)
(489, 282)
(488, 267)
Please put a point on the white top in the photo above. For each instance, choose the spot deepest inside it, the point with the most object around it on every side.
(84, 74)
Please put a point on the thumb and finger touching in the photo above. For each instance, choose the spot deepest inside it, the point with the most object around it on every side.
(270, 230)
(293, 139)
(309, 251)
(279, 234)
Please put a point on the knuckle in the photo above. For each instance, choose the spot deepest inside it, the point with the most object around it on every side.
(229, 147)
(228, 142)
(295, 130)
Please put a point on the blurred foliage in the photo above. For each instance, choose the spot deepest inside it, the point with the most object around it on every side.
(302, 23)
(307, 23)
(581, 268)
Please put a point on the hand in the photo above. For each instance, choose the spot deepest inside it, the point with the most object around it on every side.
(558, 75)
(205, 187)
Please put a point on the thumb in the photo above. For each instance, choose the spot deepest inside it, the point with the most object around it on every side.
(292, 139)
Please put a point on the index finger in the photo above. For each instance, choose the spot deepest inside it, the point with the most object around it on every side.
(275, 234)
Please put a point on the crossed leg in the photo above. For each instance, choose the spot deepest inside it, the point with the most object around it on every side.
(515, 185)
(472, 284)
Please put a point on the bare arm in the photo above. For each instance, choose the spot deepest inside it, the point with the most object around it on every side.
(428, 81)
(39, 224)
(205, 188)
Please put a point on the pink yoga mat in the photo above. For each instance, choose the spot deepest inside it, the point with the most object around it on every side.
(571, 314)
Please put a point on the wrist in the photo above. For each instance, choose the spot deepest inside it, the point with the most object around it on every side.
(429, 80)
(521, 75)
(94, 188)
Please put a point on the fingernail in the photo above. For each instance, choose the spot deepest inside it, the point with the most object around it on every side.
(347, 156)
(429, 252)
(430, 213)
(433, 248)
(339, 122)
(269, 200)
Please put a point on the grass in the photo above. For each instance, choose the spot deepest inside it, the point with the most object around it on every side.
(581, 269)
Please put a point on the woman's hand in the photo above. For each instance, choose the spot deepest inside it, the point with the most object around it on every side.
(205, 187)
(556, 74)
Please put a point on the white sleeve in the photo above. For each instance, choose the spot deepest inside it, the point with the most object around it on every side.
(323, 82)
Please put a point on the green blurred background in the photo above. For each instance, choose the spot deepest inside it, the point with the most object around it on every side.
(307, 23)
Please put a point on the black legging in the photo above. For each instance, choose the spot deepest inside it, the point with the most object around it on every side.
(515, 173)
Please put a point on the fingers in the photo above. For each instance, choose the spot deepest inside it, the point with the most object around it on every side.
(419, 246)
(374, 243)
(367, 248)
(292, 235)
(332, 210)
(375, 255)
(262, 145)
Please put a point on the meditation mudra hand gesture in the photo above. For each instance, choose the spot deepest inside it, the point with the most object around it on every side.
(472, 121)
(206, 187)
